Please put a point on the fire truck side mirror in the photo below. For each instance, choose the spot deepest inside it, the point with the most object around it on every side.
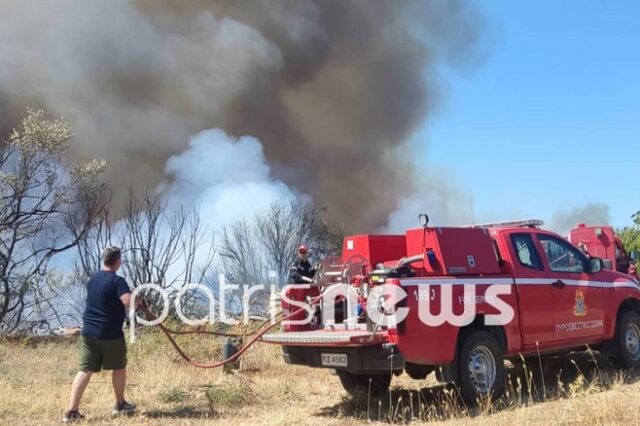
(634, 255)
(596, 265)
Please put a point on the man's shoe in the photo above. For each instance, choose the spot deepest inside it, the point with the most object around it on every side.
(72, 416)
(124, 408)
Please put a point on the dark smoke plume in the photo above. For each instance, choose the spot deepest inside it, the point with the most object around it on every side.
(592, 214)
(331, 88)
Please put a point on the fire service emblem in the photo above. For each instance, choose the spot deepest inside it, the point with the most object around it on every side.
(580, 309)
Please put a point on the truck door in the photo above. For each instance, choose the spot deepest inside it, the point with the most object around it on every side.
(578, 300)
(534, 293)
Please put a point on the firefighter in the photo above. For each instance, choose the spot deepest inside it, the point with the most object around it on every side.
(633, 269)
(301, 272)
(583, 248)
(624, 265)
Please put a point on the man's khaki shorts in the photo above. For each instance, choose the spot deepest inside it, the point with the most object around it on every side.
(96, 355)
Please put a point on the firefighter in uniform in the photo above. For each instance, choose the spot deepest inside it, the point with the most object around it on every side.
(301, 272)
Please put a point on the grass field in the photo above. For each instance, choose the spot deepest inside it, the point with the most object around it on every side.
(35, 377)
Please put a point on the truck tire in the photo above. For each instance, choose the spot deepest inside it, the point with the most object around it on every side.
(628, 341)
(480, 365)
(359, 384)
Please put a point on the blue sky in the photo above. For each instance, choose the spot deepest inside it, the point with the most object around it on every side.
(551, 118)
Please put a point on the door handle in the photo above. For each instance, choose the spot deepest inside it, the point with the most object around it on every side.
(558, 284)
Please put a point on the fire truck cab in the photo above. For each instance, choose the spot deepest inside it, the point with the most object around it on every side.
(459, 301)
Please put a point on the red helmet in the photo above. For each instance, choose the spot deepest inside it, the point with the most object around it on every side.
(303, 248)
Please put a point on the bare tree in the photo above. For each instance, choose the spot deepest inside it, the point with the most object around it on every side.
(86, 263)
(269, 243)
(162, 246)
(241, 254)
(251, 251)
(282, 228)
(169, 247)
(42, 198)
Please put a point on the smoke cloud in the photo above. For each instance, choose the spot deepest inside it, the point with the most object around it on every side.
(331, 88)
(235, 183)
(563, 221)
(440, 196)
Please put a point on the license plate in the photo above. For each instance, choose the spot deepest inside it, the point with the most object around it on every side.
(334, 360)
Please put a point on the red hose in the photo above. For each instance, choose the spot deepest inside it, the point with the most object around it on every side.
(257, 335)
(212, 332)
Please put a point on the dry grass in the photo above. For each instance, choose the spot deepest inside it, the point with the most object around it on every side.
(35, 377)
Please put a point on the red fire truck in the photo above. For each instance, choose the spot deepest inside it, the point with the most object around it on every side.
(469, 298)
(602, 242)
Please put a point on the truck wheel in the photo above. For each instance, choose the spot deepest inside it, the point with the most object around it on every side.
(358, 384)
(628, 341)
(480, 367)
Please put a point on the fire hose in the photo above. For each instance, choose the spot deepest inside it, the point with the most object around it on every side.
(213, 332)
(256, 335)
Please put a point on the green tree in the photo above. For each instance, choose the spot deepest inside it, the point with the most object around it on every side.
(630, 235)
(46, 207)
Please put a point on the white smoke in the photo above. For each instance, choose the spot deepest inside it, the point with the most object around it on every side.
(224, 178)
(441, 198)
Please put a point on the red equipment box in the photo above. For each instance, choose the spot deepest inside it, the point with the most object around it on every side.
(375, 248)
(453, 251)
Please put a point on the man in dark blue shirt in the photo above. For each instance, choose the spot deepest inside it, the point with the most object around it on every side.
(102, 344)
